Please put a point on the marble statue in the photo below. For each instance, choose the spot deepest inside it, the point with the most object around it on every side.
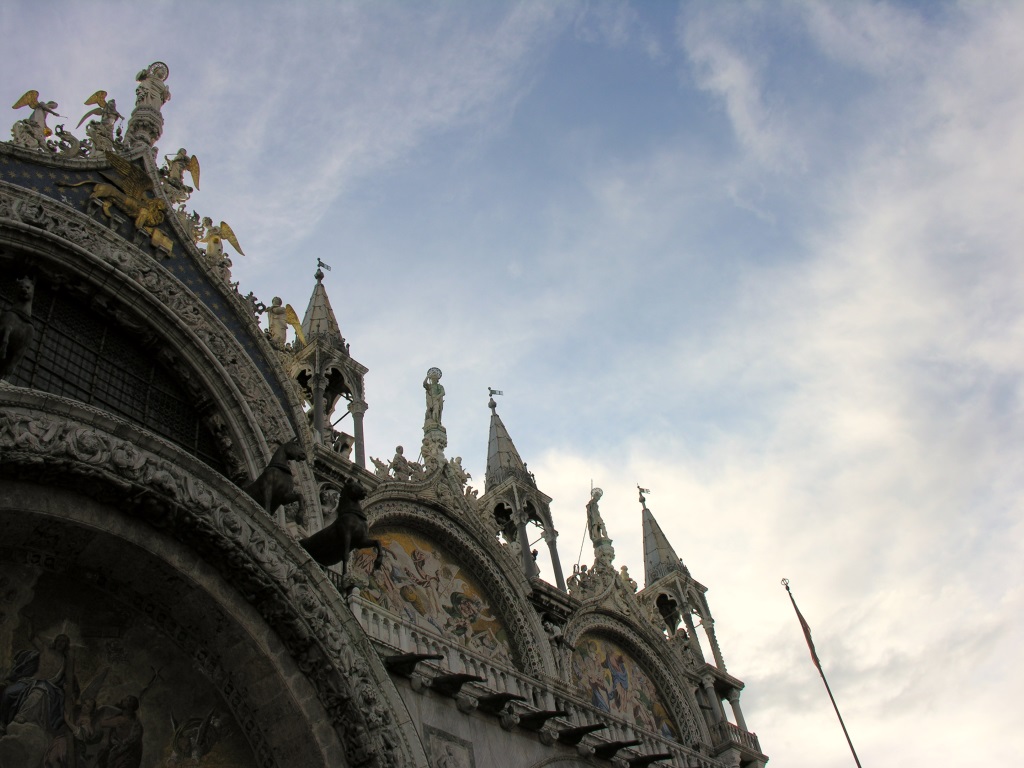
(214, 236)
(435, 396)
(101, 131)
(147, 123)
(174, 175)
(595, 523)
(32, 132)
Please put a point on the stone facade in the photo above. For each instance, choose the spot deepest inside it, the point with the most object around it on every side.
(154, 614)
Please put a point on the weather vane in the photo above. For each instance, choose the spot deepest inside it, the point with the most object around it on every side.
(321, 265)
(643, 491)
(492, 392)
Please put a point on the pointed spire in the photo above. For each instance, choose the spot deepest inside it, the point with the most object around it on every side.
(319, 316)
(660, 559)
(503, 459)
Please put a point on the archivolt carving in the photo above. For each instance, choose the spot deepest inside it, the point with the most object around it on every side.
(512, 604)
(655, 661)
(175, 492)
(91, 240)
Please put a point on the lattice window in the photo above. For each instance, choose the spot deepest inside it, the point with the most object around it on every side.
(77, 354)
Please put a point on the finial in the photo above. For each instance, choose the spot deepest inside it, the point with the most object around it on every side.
(320, 266)
(643, 501)
(491, 391)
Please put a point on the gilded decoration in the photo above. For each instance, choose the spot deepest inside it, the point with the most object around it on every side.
(612, 681)
(425, 586)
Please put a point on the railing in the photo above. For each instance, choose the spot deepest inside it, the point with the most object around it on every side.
(735, 734)
(405, 637)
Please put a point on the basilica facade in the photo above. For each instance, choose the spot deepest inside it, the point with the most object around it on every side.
(198, 569)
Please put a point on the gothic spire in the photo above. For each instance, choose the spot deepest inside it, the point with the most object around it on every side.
(659, 557)
(503, 459)
(319, 318)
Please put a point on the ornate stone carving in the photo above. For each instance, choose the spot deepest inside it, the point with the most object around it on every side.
(98, 242)
(32, 132)
(147, 122)
(101, 131)
(16, 329)
(261, 563)
(173, 175)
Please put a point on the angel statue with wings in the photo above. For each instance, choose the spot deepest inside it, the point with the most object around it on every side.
(214, 237)
(279, 318)
(174, 175)
(32, 132)
(101, 131)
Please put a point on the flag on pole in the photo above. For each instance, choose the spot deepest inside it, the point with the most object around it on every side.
(804, 626)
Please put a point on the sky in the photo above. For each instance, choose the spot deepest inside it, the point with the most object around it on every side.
(761, 258)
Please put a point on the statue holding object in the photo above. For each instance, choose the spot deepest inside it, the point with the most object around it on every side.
(32, 132)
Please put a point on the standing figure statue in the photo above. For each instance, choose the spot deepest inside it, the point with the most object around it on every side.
(595, 524)
(277, 323)
(32, 132)
(147, 123)
(101, 131)
(435, 396)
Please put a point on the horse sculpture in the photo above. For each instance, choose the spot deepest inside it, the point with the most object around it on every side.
(16, 329)
(349, 531)
(275, 485)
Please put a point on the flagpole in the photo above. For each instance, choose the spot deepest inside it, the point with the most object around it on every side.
(814, 657)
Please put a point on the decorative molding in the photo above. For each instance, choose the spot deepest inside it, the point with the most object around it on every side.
(43, 437)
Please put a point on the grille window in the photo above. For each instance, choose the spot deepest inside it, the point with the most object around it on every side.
(76, 354)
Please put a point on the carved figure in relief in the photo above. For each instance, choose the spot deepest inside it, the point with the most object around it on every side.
(400, 466)
(32, 132)
(279, 318)
(595, 523)
(214, 235)
(16, 330)
(380, 468)
(461, 475)
(275, 485)
(349, 531)
(435, 396)
(101, 131)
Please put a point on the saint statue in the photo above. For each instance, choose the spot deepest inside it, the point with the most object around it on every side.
(435, 396)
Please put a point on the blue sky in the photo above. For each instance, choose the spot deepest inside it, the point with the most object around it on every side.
(762, 258)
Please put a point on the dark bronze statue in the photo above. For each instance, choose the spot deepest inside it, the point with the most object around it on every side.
(16, 329)
(275, 485)
(349, 531)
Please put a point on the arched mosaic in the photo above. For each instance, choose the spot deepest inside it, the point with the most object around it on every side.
(426, 586)
(612, 681)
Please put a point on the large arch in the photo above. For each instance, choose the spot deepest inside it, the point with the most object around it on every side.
(174, 510)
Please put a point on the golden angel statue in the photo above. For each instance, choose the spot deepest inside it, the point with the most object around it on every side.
(101, 131)
(214, 237)
(174, 175)
(32, 131)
